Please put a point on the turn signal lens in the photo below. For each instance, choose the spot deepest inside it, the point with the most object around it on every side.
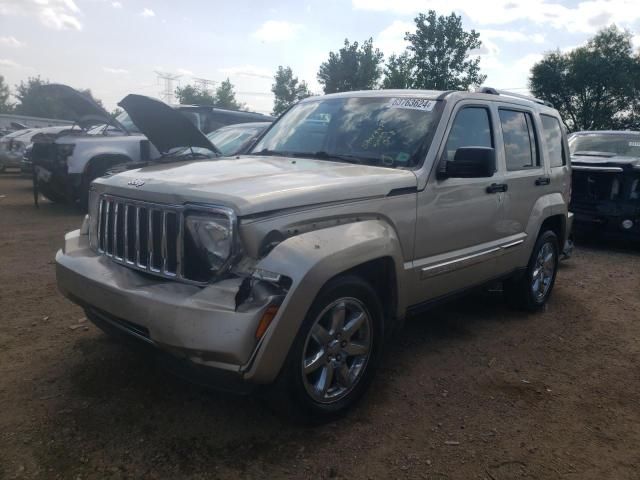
(265, 321)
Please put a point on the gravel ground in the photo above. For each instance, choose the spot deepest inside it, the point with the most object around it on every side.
(471, 390)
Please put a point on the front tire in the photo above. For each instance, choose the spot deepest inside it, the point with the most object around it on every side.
(532, 290)
(336, 351)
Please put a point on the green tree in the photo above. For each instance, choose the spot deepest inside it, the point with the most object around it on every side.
(38, 102)
(439, 54)
(194, 95)
(5, 105)
(115, 112)
(596, 86)
(287, 90)
(353, 67)
(226, 96)
(398, 72)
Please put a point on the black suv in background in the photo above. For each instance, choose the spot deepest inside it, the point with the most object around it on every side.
(606, 182)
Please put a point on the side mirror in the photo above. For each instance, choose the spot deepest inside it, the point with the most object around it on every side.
(471, 162)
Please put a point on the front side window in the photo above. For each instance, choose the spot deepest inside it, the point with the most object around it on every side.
(380, 131)
(553, 139)
(519, 137)
(471, 128)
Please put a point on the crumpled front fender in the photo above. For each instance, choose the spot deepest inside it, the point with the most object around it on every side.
(310, 260)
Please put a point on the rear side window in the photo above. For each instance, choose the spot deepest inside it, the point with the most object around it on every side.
(552, 132)
(471, 128)
(520, 143)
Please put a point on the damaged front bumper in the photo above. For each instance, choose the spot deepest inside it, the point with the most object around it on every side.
(211, 329)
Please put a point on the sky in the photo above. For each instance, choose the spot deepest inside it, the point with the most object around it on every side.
(115, 47)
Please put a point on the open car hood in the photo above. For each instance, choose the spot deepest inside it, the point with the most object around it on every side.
(164, 126)
(86, 112)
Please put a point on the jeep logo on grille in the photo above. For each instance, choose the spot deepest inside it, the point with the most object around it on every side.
(137, 182)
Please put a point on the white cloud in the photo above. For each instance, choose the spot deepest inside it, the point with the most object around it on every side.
(147, 12)
(511, 36)
(115, 71)
(116, 4)
(391, 39)
(6, 62)
(586, 17)
(276, 31)
(11, 42)
(248, 71)
(56, 14)
(636, 41)
(184, 71)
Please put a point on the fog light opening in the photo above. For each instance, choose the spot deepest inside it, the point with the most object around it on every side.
(627, 224)
(267, 317)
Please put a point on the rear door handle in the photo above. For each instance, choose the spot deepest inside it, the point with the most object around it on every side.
(497, 187)
(543, 181)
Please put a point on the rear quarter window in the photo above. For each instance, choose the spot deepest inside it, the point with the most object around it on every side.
(552, 134)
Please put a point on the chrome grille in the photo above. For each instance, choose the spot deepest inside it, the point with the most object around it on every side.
(141, 235)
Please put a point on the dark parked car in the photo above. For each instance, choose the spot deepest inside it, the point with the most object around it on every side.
(606, 182)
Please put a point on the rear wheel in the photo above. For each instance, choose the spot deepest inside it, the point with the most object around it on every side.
(336, 351)
(532, 290)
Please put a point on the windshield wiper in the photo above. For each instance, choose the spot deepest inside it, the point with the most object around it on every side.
(323, 155)
(275, 153)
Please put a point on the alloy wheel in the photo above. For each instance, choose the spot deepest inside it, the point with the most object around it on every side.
(543, 271)
(337, 350)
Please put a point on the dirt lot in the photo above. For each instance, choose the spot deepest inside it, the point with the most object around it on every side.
(470, 391)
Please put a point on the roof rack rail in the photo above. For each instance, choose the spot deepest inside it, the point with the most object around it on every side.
(495, 91)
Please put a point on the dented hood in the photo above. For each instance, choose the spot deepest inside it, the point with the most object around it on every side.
(256, 184)
(86, 111)
(164, 126)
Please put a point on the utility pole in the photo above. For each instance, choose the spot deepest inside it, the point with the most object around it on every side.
(167, 92)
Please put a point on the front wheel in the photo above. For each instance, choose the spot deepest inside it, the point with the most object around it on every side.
(533, 289)
(336, 351)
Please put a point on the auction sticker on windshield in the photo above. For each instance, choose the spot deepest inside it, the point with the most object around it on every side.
(413, 103)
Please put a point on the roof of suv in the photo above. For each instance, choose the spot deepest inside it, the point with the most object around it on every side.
(484, 93)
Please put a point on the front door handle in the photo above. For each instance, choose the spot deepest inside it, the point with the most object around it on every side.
(497, 187)
(543, 181)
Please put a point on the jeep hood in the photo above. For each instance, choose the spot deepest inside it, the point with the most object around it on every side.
(164, 126)
(257, 184)
(85, 111)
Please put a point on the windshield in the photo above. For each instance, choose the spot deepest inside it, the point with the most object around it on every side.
(618, 144)
(231, 140)
(126, 122)
(382, 131)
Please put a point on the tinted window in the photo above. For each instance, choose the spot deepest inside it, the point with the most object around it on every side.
(553, 139)
(519, 140)
(471, 128)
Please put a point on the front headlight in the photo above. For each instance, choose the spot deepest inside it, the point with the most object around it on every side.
(208, 244)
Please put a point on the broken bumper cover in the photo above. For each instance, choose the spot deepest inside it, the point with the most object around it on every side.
(201, 329)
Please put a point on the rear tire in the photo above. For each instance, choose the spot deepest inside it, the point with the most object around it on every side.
(335, 353)
(532, 290)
